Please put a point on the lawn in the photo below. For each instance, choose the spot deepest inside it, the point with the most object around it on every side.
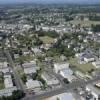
(82, 67)
(84, 23)
(1, 84)
(46, 39)
(25, 58)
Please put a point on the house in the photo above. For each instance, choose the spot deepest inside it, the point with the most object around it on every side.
(45, 28)
(3, 64)
(4, 67)
(8, 81)
(96, 64)
(36, 50)
(29, 67)
(16, 56)
(94, 91)
(88, 58)
(50, 79)
(60, 66)
(33, 84)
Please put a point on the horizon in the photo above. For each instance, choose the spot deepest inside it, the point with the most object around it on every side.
(50, 1)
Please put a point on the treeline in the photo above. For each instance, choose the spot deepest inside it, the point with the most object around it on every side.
(96, 28)
(68, 18)
(52, 34)
(94, 18)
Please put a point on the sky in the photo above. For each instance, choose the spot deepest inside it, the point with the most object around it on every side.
(49, 1)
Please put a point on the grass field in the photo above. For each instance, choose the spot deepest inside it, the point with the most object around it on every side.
(82, 67)
(46, 39)
(84, 23)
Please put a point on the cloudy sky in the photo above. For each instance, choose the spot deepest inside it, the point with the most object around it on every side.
(50, 1)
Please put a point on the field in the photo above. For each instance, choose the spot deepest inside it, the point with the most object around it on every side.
(84, 23)
(82, 67)
(46, 39)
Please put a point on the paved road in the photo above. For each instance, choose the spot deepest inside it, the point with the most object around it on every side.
(18, 81)
(68, 87)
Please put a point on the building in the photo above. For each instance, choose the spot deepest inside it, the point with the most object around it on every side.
(36, 50)
(96, 64)
(33, 84)
(66, 72)
(63, 96)
(8, 81)
(7, 91)
(94, 91)
(50, 79)
(60, 66)
(88, 58)
(4, 67)
(29, 67)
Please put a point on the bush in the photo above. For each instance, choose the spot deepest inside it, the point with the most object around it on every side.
(66, 81)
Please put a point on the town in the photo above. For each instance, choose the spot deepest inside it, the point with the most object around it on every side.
(50, 52)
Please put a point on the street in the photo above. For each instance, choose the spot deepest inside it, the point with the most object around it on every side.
(18, 81)
(68, 87)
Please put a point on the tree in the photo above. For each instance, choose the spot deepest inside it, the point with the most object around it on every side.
(18, 94)
(66, 81)
(96, 28)
(24, 78)
(34, 76)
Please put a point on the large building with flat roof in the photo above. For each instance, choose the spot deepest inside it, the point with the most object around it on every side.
(63, 96)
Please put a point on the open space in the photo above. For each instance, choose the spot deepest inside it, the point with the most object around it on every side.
(1, 84)
(46, 39)
(84, 23)
(82, 67)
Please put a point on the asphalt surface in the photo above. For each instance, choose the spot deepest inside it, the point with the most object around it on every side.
(18, 81)
(68, 88)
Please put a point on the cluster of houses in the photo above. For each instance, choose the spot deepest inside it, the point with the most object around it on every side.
(9, 85)
(91, 92)
(31, 68)
(15, 27)
(61, 28)
(85, 57)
